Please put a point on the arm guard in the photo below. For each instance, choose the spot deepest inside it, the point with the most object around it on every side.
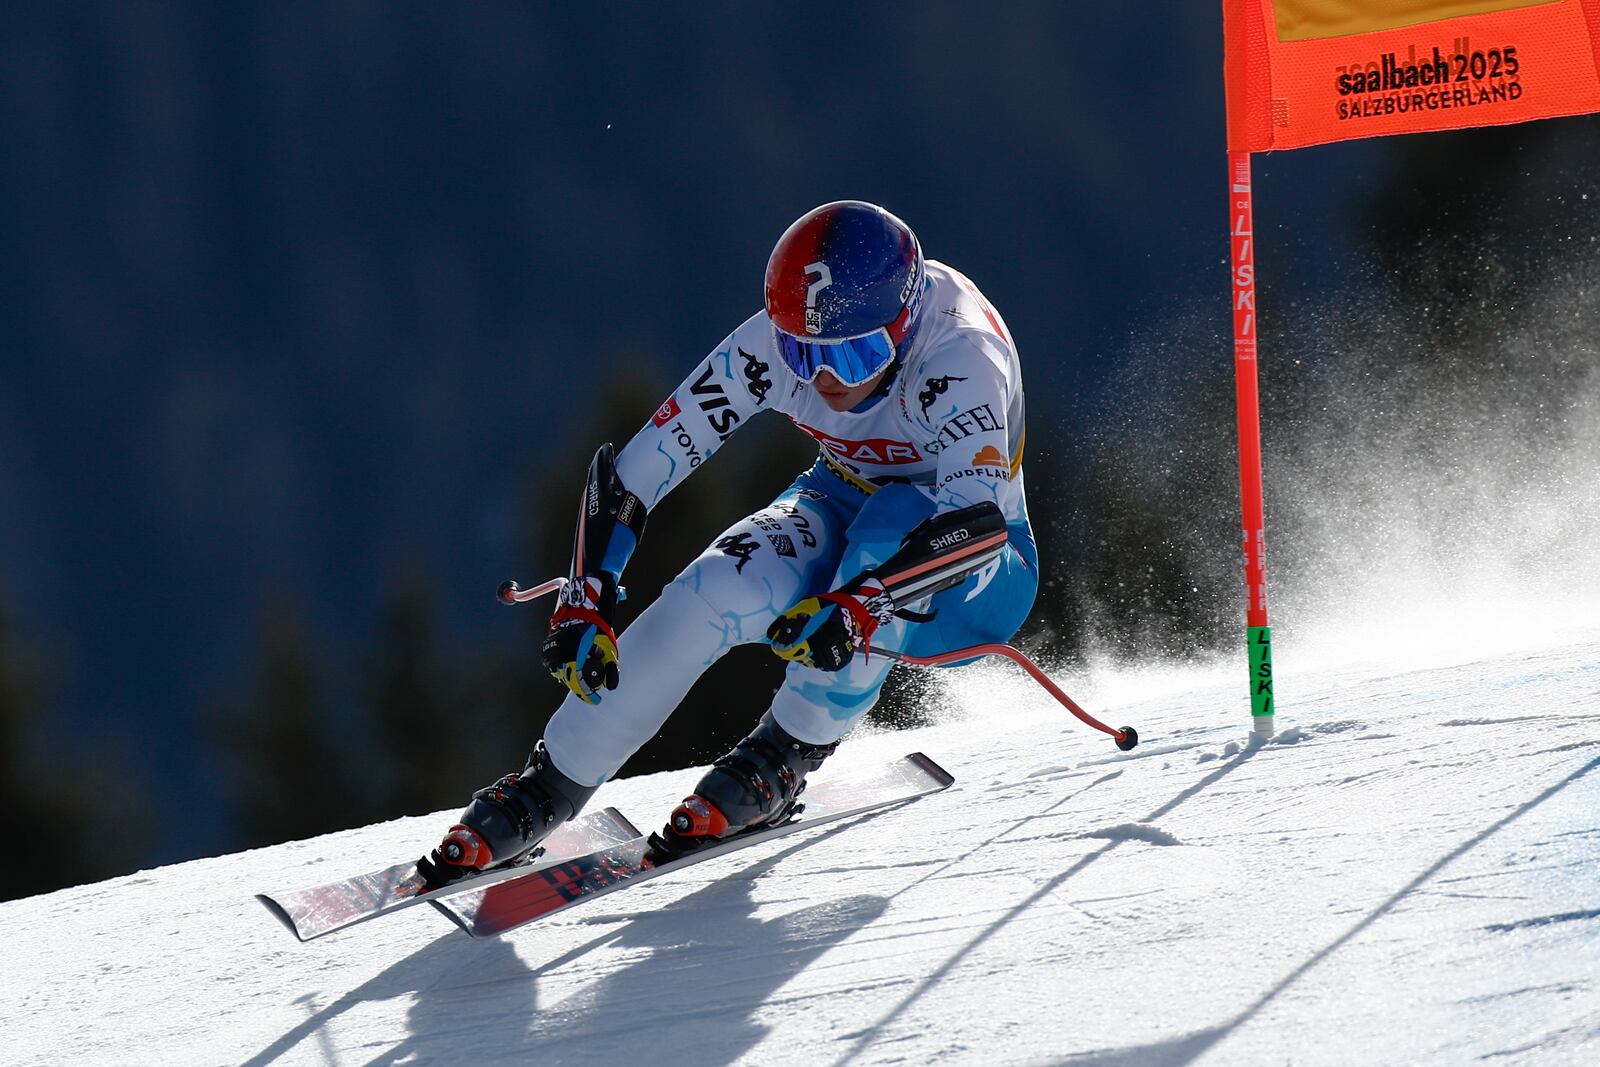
(580, 650)
(610, 522)
(941, 552)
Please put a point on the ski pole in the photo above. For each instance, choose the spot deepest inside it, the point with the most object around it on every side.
(511, 593)
(1125, 738)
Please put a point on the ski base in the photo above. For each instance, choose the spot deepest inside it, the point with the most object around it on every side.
(318, 910)
(493, 910)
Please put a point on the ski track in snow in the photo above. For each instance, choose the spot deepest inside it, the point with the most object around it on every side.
(1408, 873)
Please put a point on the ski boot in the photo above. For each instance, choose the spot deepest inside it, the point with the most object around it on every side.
(757, 784)
(506, 821)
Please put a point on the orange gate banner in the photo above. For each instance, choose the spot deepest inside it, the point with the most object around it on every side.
(1305, 72)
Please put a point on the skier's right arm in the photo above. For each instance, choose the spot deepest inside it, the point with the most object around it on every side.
(720, 395)
(580, 650)
(727, 388)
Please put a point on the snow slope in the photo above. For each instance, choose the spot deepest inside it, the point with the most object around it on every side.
(1409, 873)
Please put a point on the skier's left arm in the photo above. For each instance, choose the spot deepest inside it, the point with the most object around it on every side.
(966, 414)
(823, 631)
(979, 451)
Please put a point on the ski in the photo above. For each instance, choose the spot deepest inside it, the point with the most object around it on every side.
(492, 910)
(322, 909)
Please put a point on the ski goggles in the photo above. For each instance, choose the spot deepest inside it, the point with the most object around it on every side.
(852, 360)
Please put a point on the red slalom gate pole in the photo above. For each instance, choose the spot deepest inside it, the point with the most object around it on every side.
(1126, 737)
(1241, 210)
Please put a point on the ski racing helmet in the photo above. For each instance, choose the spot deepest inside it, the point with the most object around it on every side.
(844, 290)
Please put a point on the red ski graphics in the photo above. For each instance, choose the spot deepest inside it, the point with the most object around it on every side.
(879, 450)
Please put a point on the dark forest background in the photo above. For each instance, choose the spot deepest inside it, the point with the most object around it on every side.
(312, 315)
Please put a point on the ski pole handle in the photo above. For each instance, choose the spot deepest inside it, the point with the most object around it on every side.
(511, 593)
(1126, 737)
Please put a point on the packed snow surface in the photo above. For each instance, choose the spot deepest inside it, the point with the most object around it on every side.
(1408, 873)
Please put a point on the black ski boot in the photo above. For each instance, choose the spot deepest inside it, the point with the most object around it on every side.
(757, 784)
(506, 821)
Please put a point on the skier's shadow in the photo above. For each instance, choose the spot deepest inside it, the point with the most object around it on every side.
(705, 965)
(435, 964)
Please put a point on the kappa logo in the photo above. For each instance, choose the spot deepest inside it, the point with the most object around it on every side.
(740, 545)
(667, 412)
(933, 389)
(989, 456)
(878, 450)
(755, 377)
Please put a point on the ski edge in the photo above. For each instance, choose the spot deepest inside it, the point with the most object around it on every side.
(940, 780)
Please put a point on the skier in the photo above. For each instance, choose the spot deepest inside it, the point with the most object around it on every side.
(909, 531)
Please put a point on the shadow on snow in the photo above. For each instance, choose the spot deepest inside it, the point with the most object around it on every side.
(1186, 1049)
(705, 965)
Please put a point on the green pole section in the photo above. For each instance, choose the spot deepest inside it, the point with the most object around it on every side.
(1261, 677)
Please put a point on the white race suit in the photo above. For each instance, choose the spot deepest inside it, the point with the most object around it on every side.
(948, 433)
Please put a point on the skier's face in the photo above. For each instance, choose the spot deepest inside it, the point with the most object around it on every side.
(842, 397)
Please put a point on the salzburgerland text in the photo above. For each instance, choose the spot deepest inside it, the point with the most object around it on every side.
(1467, 78)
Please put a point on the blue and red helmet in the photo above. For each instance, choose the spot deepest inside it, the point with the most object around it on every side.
(844, 290)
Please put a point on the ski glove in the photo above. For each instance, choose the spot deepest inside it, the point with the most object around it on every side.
(939, 553)
(580, 650)
(824, 631)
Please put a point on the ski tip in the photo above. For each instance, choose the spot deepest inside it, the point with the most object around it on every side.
(449, 913)
(282, 916)
(938, 773)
